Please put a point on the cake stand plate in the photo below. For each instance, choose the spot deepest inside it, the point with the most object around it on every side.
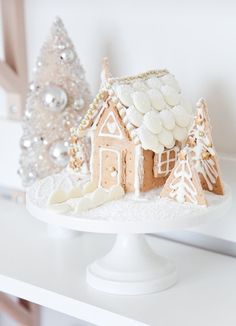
(131, 267)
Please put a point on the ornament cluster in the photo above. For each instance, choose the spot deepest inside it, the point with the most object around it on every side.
(57, 99)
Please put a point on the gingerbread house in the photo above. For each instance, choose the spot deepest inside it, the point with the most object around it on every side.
(137, 126)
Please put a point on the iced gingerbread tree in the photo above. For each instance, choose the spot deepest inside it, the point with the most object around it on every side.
(57, 99)
(202, 151)
(183, 184)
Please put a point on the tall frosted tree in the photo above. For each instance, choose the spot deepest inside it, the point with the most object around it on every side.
(58, 97)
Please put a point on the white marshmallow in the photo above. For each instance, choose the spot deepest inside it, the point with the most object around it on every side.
(152, 122)
(171, 96)
(180, 134)
(167, 119)
(165, 138)
(141, 101)
(124, 94)
(153, 82)
(148, 139)
(156, 99)
(182, 118)
(134, 116)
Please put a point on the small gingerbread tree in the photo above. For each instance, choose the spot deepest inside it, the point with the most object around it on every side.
(202, 151)
(183, 184)
(58, 97)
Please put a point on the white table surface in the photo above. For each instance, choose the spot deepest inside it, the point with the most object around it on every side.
(51, 272)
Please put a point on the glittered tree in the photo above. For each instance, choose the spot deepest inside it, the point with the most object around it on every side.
(202, 151)
(183, 184)
(57, 99)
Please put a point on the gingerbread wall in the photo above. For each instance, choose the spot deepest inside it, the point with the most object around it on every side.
(112, 152)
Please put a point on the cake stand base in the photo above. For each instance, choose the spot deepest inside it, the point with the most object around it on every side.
(131, 268)
(58, 232)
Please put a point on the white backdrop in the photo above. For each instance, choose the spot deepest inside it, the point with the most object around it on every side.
(195, 40)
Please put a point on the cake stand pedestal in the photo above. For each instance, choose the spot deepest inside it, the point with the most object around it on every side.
(131, 267)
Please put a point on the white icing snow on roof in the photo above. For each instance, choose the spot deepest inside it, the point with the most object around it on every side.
(156, 109)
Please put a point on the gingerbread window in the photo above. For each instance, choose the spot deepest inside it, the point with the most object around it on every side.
(165, 162)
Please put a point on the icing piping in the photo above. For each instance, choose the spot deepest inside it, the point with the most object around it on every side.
(181, 190)
(138, 166)
(111, 114)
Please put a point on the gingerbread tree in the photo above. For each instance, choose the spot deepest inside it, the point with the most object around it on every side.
(202, 151)
(183, 184)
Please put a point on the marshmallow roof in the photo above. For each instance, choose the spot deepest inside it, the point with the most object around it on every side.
(152, 108)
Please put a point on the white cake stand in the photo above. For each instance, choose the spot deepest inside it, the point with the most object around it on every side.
(131, 267)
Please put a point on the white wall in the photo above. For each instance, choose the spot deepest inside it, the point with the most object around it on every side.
(193, 39)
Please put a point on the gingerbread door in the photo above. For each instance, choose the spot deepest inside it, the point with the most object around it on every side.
(110, 167)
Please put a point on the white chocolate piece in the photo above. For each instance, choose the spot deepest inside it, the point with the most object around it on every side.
(89, 187)
(180, 134)
(165, 138)
(84, 204)
(152, 122)
(116, 192)
(156, 98)
(153, 82)
(134, 116)
(167, 118)
(124, 94)
(148, 139)
(57, 197)
(98, 197)
(138, 85)
(171, 96)
(171, 145)
(182, 118)
(158, 149)
(141, 101)
(170, 81)
(75, 193)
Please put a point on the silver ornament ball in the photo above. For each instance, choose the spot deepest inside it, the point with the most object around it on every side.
(67, 55)
(59, 153)
(78, 104)
(54, 98)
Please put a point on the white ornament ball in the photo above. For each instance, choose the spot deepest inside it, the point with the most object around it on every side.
(170, 94)
(26, 143)
(182, 117)
(152, 122)
(58, 153)
(134, 116)
(54, 98)
(166, 138)
(141, 101)
(67, 55)
(180, 134)
(156, 99)
(167, 119)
